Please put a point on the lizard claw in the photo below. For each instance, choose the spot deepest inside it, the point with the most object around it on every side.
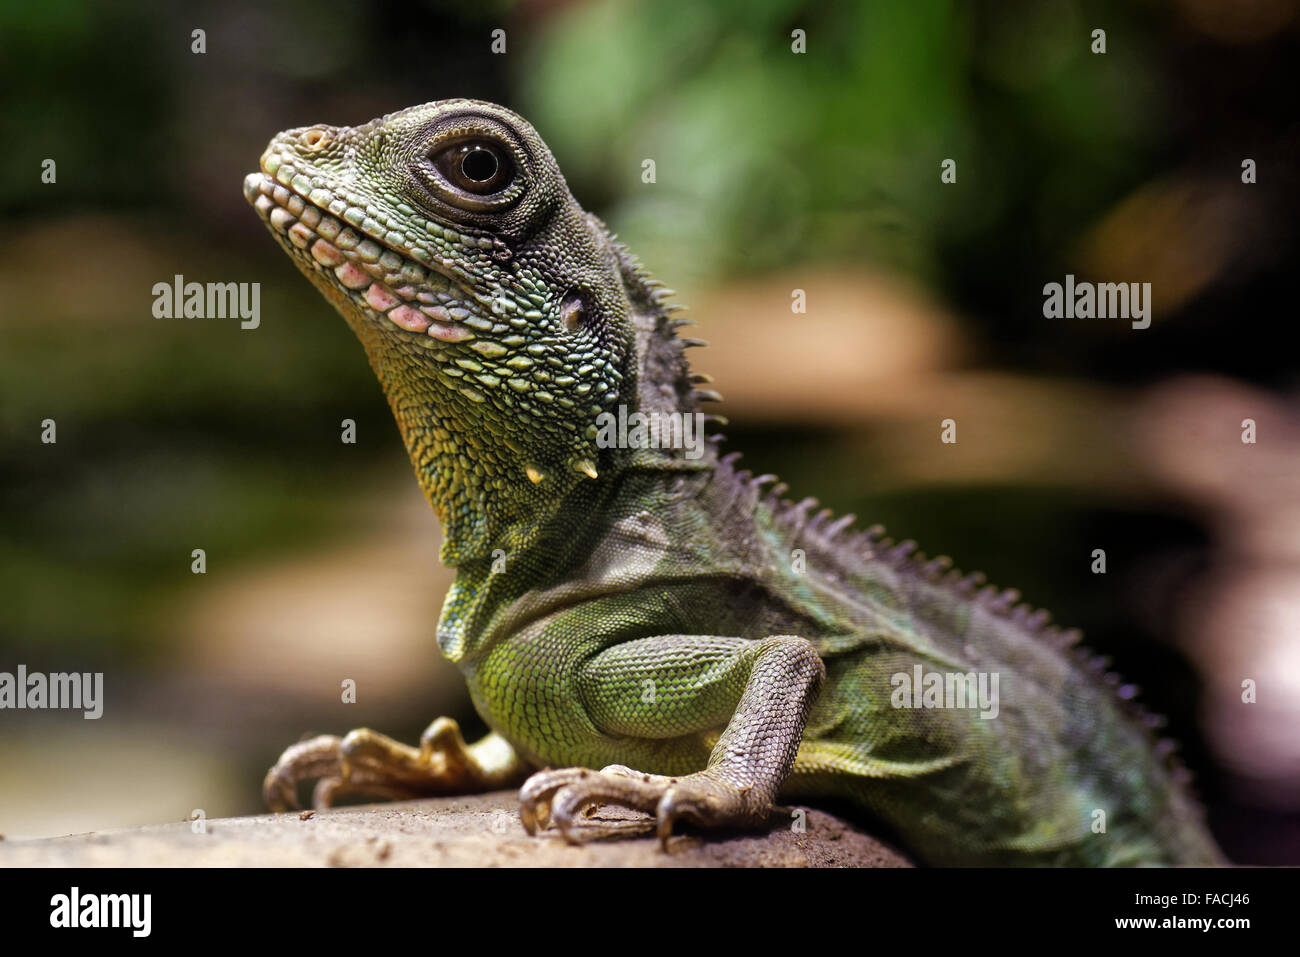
(317, 757)
(278, 792)
(703, 798)
(366, 763)
(692, 804)
(536, 795)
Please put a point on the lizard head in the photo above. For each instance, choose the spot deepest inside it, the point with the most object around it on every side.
(497, 314)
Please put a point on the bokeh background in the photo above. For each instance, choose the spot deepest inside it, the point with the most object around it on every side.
(775, 171)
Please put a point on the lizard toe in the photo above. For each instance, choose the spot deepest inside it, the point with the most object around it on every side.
(572, 800)
(316, 757)
(536, 795)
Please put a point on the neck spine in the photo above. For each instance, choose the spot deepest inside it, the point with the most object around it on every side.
(663, 382)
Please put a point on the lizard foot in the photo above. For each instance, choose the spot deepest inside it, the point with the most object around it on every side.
(705, 798)
(369, 763)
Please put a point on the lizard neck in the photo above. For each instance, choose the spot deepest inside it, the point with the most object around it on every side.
(499, 493)
(609, 540)
(477, 483)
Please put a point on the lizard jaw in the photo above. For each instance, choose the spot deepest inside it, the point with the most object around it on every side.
(373, 275)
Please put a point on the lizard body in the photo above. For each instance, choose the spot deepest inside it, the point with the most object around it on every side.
(637, 610)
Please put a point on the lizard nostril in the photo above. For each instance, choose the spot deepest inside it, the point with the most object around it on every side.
(314, 139)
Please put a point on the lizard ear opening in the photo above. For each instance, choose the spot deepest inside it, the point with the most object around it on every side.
(573, 311)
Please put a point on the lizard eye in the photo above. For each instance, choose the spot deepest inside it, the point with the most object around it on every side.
(475, 166)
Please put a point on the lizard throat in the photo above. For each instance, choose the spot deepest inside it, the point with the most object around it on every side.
(482, 493)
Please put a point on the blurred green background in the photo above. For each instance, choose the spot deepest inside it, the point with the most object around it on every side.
(775, 171)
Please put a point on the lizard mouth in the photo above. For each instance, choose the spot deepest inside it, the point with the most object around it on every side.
(373, 274)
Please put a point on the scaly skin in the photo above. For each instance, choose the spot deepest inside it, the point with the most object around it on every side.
(712, 647)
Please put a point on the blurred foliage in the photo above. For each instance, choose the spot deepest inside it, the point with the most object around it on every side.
(767, 158)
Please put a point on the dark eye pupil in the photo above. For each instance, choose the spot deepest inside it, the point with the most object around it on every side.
(478, 164)
(475, 167)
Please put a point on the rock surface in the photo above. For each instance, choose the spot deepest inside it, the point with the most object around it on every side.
(475, 831)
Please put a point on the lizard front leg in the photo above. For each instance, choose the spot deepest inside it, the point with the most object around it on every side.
(761, 690)
(369, 763)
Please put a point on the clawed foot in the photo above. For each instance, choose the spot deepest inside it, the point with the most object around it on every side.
(368, 763)
(705, 798)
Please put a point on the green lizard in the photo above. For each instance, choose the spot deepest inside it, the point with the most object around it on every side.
(665, 618)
